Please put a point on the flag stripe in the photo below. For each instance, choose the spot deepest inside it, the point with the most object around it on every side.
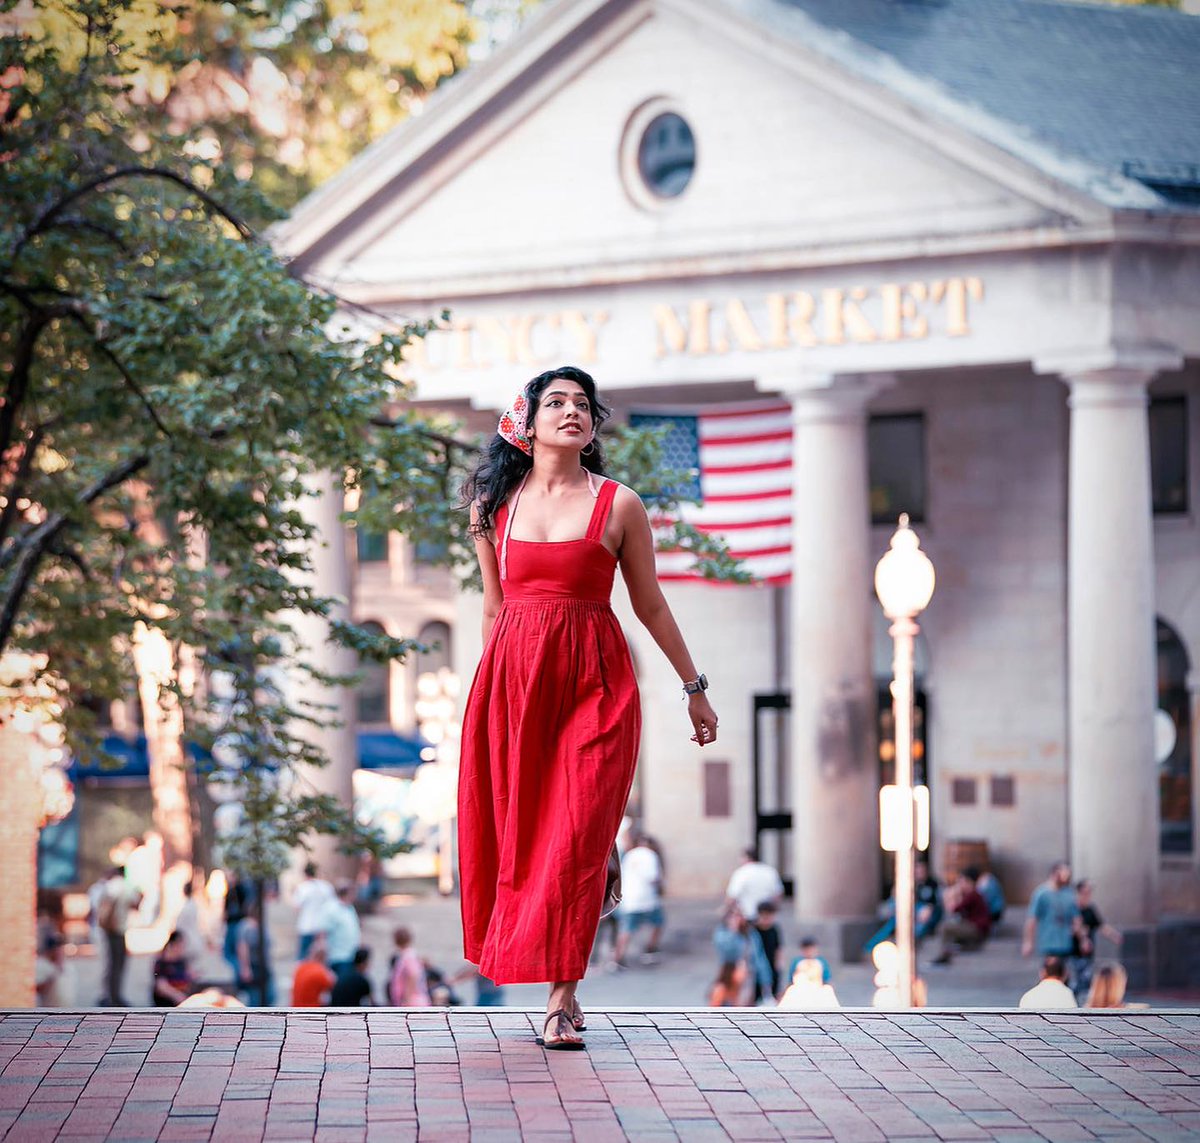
(744, 457)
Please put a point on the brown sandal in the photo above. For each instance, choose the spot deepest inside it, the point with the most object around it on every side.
(559, 1043)
(577, 1016)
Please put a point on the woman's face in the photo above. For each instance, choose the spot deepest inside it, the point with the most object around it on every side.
(564, 416)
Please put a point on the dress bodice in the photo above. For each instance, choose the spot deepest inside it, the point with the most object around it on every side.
(559, 569)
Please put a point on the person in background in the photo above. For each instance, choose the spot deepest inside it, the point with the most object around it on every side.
(342, 929)
(353, 988)
(733, 953)
(968, 925)
(808, 983)
(1108, 987)
(1083, 953)
(254, 977)
(928, 913)
(765, 942)
(48, 970)
(992, 892)
(173, 979)
(312, 899)
(810, 953)
(1054, 923)
(190, 924)
(312, 984)
(641, 899)
(1051, 991)
(117, 903)
(407, 985)
(752, 883)
(238, 899)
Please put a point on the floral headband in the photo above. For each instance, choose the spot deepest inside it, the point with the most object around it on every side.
(514, 424)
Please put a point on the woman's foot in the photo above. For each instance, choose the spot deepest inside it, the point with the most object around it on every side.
(559, 1034)
(577, 1017)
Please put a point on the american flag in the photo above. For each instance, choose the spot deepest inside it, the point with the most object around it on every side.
(745, 483)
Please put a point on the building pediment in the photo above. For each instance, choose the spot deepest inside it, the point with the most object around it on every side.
(524, 176)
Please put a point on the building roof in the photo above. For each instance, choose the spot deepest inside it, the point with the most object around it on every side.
(1115, 86)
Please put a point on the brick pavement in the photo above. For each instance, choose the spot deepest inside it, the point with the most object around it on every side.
(687, 1074)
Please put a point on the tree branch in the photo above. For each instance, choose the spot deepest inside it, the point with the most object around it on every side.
(48, 217)
(35, 546)
(12, 491)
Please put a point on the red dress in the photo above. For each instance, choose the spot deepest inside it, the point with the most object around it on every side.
(549, 743)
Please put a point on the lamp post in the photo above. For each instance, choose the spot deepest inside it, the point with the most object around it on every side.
(904, 581)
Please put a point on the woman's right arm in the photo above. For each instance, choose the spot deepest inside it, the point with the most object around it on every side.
(489, 569)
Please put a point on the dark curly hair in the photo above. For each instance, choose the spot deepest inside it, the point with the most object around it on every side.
(502, 466)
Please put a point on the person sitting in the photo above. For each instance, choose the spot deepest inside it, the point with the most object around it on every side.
(810, 951)
(1051, 991)
(314, 980)
(1108, 987)
(928, 909)
(992, 892)
(173, 980)
(969, 924)
(353, 989)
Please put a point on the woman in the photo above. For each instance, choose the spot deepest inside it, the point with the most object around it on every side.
(551, 727)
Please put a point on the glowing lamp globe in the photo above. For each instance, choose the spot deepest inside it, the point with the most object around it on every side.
(904, 578)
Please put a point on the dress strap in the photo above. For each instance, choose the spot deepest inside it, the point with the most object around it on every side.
(600, 512)
(512, 511)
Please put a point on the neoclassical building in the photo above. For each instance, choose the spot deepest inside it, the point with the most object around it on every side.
(958, 242)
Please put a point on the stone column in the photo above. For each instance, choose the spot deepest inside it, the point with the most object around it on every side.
(331, 570)
(835, 775)
(22, 799)
(1112, 783)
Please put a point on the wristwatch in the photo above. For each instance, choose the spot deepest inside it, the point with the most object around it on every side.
(698, 684)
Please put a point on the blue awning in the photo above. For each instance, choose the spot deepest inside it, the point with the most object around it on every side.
(377, 750)
(386, 750)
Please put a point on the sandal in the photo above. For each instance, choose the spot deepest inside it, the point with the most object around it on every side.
(577, 1016)
(612, 884)
(559, 1042)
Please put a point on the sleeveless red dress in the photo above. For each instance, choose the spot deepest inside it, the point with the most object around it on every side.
(549, 744)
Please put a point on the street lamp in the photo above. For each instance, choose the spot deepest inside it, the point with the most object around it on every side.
(904, 582)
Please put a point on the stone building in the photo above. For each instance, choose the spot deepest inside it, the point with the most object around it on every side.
(960, 241)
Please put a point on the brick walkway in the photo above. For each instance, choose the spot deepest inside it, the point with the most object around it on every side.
(688, 1075)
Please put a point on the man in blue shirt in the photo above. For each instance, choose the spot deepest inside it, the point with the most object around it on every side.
(1054, 920)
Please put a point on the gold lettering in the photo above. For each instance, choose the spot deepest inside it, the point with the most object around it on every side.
(835, 329)
(801, 323)
(587, 330)
(741, 326)
(958, 291)
(856, 321)
(675, 337)
(777, 321)
(523, 328)
(900, 310)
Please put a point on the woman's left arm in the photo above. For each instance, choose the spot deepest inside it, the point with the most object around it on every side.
(636, 556)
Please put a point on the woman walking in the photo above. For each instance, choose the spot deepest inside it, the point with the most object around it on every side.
(552, 723)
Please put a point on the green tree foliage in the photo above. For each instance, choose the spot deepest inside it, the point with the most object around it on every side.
(170, 394)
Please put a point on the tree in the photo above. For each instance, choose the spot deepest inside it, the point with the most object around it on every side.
(169, 393)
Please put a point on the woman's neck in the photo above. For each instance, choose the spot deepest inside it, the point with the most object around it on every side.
(556, 470)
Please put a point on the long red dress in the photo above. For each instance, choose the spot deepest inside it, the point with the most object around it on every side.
(549, 743)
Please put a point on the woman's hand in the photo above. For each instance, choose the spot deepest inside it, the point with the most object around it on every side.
(704, 718)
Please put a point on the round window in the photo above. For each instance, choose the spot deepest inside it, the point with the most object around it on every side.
(666, 155)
